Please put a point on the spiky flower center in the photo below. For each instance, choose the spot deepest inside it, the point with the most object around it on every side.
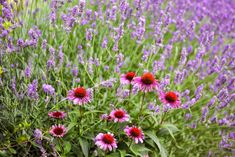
(57, 114)
(80, 92)
(171, 97)
(108, 139)
(119, 114)
(147, 78)
(135, 132)
(130, 76)
(58, 130)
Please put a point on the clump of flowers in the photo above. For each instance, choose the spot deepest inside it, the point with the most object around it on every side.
(117, 78)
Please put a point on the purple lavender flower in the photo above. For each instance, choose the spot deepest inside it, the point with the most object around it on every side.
(32, 90)
(38, 139)
(28, 71)
(104, 43)
(188, 116)
(48, 89)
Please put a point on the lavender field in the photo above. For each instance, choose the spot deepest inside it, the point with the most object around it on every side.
(117, 78)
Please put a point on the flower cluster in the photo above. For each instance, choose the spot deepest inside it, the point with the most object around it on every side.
(112, 74)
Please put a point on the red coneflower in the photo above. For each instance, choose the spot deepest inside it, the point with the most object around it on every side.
(119, 115)
(58, 130)
(106, 141)
(170, 98)
(80, 95)
(127, 78)
(135, 133)
(146, 82)
(57, 114)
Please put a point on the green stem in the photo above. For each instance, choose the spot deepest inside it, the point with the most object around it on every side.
(61, 145)
(164, 114)
(130, 144)
(142, 105)
(130, 90)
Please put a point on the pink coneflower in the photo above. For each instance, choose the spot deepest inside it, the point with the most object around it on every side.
(58, 130)
(106, 141)
(127, 78)
(57, 114)
(146, 82)
(135, 133)
(119, 115)
(79, 95)
(170, 98)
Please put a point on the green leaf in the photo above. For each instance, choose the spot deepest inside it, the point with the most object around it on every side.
(67, 147)
(71, 125)
(13, 151)
(122, 153)
(139, 149)
(22, 138)
(171, 129)
(85, 146)
(135, 150)
(162, 150)
(115, 154)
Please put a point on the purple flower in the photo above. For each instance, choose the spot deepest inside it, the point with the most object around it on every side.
(104, 43)
(32, 90)
(151, 106)
(38, 139)
(188, 116)
(28, 71)
(48, 89)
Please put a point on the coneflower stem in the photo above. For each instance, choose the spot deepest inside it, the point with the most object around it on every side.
(142, 105)
(130, 144)
(163, 116)
(130, 90)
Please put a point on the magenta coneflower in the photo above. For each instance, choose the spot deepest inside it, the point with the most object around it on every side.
(106, 141)
(119, 115)
(135, 133)
(170, 98)
(79, 95)
(127, 78)
(57, 114)
(146, 82)
(58, 130)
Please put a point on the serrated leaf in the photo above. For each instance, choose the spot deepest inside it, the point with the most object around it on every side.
(162, 150)
(85, 146)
